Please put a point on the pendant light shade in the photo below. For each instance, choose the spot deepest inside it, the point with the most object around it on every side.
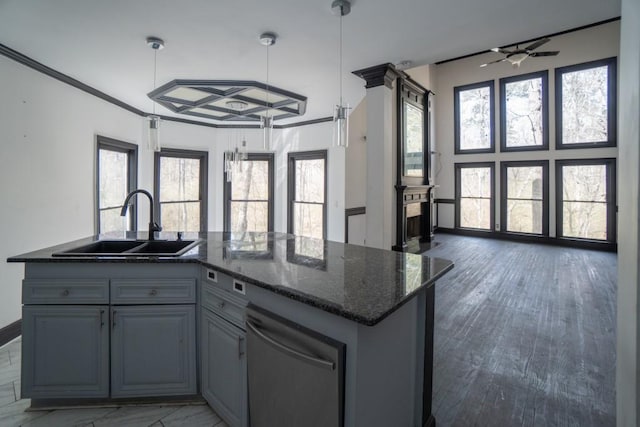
(154, 121)
(341, 113)
(154, 133)
(266, 122)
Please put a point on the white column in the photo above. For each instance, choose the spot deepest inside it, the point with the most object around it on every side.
(380, 205)
(627, 355)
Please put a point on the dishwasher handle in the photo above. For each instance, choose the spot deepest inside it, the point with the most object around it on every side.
(326, 364)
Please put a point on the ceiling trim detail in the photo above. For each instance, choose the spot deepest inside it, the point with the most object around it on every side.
(40, 67)
(584, 27)
(229, 100)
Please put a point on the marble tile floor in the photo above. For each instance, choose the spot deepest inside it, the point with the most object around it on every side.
(14, 413)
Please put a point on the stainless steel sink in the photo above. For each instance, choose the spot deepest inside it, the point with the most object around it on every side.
(130, 248)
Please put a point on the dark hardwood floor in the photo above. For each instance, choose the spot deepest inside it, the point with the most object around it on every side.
(524, 335)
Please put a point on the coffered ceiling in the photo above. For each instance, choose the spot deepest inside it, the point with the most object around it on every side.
(102, 42)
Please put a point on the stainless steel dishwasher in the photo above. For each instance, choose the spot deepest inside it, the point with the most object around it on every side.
(296, 376)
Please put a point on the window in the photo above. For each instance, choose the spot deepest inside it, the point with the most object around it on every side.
(525, 197)
(116, 176)
(307, 194)
(249, 195)
(586, 105)
(524, 114)
(474, 195)
(586, 199)
(474, 120)
(181, 189)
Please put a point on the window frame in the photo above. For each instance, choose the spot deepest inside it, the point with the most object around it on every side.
(612, 101)
(203, 157)
(291, 159)
(544, 76)
(270, 158)
(504, 194)
(106, 143)
(492, 117)
(458, 182)
(611, 202)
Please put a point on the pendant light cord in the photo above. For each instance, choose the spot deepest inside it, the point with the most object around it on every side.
(268, 90)
(155, 72)
(340, 60)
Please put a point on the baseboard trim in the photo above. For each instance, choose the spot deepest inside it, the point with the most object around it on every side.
(572, 243)
(10, 332)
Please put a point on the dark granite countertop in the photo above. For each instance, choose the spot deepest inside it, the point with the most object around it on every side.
(356, 282)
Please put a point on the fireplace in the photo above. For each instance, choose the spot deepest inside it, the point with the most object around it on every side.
(413, 217)
(413, 225)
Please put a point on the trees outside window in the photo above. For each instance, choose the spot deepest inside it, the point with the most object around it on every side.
(249, 195)
(474, 195)
(524, 112)
(116, 176)
(181, 189)
(524, 187)
(586, 199)
(586, 105)
(307, 194)
(474, 119)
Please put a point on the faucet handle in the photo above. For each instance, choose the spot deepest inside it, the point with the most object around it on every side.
(179, 235)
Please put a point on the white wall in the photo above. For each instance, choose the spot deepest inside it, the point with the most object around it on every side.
(577, 47)
(47, 156)
(627, 356)
(47, 166)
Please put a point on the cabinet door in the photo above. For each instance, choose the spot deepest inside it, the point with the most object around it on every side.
(153, 350)
(65, 351)
(224, 368)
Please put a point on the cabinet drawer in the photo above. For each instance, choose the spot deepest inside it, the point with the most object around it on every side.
(65, 291)
(153, 291)
(226, 305)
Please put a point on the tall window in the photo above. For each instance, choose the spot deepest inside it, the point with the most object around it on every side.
(586, 105)
(249, 195)
(474, 121)
(116, 175)
(525, 197)
(474, 195)
(181, 189)
(586, 199)
(524, 114)
(307, 194)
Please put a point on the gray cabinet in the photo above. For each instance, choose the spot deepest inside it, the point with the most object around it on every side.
(102, 336)
(222, 347)
(65, 351)
(153, 350)
(224, 368)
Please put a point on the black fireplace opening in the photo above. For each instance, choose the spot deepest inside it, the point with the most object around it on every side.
(414, 220)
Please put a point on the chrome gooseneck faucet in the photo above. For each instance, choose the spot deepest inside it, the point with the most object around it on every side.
(153, 225)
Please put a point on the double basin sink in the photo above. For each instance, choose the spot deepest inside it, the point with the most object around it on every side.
(131, 248)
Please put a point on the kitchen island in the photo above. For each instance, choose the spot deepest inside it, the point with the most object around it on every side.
(151, 326)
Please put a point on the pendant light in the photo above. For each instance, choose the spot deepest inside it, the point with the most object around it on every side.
(154, 121)
(266, 121)
(341, 116)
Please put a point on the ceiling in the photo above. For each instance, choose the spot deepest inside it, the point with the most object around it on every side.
(102, 43)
